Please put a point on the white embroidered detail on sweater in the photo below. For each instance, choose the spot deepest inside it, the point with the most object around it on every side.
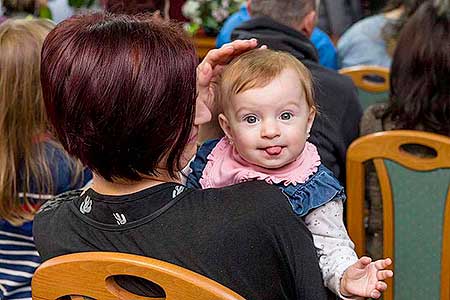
(86, 206)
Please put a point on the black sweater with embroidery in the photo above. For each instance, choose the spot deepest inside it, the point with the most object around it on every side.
(245, 237)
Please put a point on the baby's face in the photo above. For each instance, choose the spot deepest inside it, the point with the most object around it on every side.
(269, 125)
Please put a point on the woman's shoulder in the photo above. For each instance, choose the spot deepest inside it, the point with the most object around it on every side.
(364, 33)
(60, 201)
(53, 223)
(372, 24)
(52, 214)
(363, 43)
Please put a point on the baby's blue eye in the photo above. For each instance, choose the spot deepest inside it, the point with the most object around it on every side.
(286, 116)
(251, 119)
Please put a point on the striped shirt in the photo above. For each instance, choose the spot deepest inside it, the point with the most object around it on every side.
(18, 255)
(18, 260)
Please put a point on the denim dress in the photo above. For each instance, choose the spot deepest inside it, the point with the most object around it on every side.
(321, 188)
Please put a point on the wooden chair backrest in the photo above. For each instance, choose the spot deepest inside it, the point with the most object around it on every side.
(361, 75)
(372, 83)
(91, 274)
(383, 149)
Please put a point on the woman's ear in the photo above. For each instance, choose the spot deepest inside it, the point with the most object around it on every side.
(225, 125)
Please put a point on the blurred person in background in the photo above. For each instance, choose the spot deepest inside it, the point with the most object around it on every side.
(371, 7)
(337, 15)
(26, 9)
(130, 7)
(60, 9)
(19, 8)
(372, 40)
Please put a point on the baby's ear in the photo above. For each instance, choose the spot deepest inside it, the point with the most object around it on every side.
(311, 116)
(225, 125)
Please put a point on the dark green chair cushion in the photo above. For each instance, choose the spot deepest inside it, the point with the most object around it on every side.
(419, 206)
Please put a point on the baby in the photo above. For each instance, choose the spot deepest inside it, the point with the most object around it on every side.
(267, 105)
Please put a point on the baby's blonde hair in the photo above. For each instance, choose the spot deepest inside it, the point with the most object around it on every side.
(256, 69)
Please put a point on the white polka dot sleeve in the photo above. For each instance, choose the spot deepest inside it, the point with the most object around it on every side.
(334, 247)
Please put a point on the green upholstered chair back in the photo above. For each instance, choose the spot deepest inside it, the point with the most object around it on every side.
(372, 83)
(416, 209)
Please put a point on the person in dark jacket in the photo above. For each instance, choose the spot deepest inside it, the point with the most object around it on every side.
(287, 26)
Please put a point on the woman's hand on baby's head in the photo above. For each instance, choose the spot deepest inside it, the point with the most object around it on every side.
(227, 52)
(216, 59)
(366, 278)
(210, 67)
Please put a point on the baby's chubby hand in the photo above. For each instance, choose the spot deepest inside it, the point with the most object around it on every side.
(366, 278)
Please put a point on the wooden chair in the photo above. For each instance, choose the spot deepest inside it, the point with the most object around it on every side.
(416, 209)
(372, 83)
(91, 274)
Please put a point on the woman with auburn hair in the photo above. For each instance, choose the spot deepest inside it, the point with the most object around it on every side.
(419, 96)
(121, 92)
(34, 167)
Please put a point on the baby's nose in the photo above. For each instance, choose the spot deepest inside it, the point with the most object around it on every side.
(270, 130)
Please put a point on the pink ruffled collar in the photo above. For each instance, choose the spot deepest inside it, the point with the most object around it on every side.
(226, 167)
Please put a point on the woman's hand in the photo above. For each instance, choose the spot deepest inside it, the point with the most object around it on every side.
(207, 71)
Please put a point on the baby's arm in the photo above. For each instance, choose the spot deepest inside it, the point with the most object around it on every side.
(342, 272)
(334, 247)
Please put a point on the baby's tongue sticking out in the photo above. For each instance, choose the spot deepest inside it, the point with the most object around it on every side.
(275, 150)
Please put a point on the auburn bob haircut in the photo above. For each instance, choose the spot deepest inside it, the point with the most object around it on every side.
(120, 92)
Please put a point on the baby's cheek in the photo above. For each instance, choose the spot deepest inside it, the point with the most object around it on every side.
(244, 145)
(241, 144)
(243, 137)
(299, 145)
